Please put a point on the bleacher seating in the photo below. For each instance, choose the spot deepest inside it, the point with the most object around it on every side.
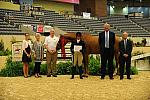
(94, 24)
(55, 19)
(144, 22)
(126, 25)
(18, 17)
(119, 24)
(6, 29)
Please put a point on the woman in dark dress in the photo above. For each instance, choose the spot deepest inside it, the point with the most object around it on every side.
(26, 57)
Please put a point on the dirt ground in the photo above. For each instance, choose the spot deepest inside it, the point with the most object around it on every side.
(63, 88)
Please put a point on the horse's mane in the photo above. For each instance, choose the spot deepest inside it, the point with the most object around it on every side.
(83, 34)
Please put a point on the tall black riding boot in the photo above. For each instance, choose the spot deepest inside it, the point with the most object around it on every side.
(73, 69)
(80, 72)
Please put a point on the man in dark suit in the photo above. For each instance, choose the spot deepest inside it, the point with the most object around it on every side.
(125, 49)
(106, 43)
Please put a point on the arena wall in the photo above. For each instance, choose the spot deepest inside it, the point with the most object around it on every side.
(7, 39)
(9, 5)
(55, 6)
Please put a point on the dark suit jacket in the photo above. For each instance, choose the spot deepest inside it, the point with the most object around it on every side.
(102, 41)
(81, 43)
(129, 46)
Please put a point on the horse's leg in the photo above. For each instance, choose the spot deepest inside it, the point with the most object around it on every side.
(86, 71)
(117, 63)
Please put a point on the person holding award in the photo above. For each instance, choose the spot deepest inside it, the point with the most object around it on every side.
(77, 49)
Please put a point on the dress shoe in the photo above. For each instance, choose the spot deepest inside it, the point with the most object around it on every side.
(81, 77)
(129, 78)
(102, 78)
(54, 75)
(121, 78)
(39, 76)
(72, 77)
(25, 76)
(111, 78)
(48, 75)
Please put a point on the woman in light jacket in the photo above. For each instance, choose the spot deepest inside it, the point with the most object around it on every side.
(26, 57)
(38, 54)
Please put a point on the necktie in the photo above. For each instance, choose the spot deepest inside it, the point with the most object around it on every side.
(107, 40)
(125, 44)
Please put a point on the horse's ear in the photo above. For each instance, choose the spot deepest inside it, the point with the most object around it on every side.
(61, 36)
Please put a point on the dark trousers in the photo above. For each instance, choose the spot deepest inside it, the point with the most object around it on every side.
(122, 62)
(37, 67)
(107, 55)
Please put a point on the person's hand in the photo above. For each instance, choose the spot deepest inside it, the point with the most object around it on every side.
(53, 51)
(125, 55)
(28, 55)
(49, 50)
(34, 56)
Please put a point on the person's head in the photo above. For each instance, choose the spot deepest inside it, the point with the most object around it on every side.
(27, 36)
(52, 32)
(124, 35)
(37, 36)
(78, 35)
(106, 27)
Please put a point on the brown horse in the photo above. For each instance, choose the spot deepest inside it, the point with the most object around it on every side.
(92, 46)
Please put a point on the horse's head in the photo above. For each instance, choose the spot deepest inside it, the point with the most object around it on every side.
(63, 40)
(66, 38)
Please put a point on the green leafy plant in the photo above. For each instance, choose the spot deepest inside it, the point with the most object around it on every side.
(13, 40)
(64, 68)
(7, 52)
(4, 52)
(1, 45)
(12, 69)
(43, 69)
(15, 68)
(94, 66)
(134, 70)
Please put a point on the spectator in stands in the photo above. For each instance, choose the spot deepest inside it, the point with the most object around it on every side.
(7, 17)
(31, 13)
(106, 43)
(51, 54)
(125, 49)
(38, 54)
(77, 49)
(144, 42)
(26, 57)
(138, 44)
